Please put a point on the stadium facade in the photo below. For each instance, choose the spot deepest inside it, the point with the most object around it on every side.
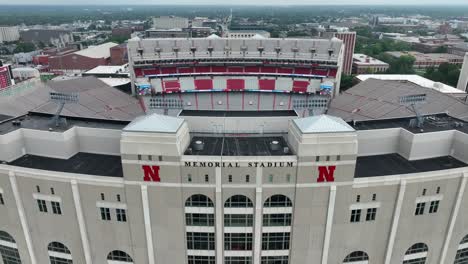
(270, 182)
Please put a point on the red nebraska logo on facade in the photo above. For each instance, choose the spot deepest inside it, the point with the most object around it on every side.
(151, 173)
(326, 173)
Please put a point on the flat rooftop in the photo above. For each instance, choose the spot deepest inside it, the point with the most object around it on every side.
(39, 121)
(432, 123)
(237, 113)
(239, 146)
(81, 163)
(394, 164)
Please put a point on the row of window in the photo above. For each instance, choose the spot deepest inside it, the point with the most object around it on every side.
(42, 205)
(121, 214)
(237, 201)
(356, 215)
(433, 208)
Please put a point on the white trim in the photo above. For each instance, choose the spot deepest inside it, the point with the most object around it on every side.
(415, 256)
(238, 229)
(276, 229)
(364, 205)
(50, 198)
(277, 210)
(359, 262)
(22, 216)
(238, 253)
(81, 222)
(147, 220)
(192, 252)
(199, 210)
(1, 190)
(118, 262)
(425, 199)
(103, 204)
(462, 246)
(329, 224)
(275, 253)
(395, 221)
(8, 244)
(248, 210)
(200, 229)
(258, 216)
(219, 217)
(60, 255)
(453, 218)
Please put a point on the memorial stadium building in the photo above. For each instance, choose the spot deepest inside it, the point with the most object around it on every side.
(236, 176)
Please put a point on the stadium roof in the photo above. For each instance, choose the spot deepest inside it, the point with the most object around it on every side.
(419, 80)
(99, 51)
(322, 124)
(155, 123)
(109, 69)
(379, 99)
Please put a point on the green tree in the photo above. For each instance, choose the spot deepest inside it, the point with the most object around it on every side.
(445, 73)
(347, 81)
(402, 65)
(24, 47)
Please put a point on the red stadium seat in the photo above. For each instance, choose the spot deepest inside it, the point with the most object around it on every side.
(168, 70)
(268, 69)
(332, 72)
(171, 86)
(266, 84)
(235, 84)
(235, 69)
(252, 69)
(153, 71)
(203, 84)
(138, 72)
(285, 70)
(302, 71)
(185, 70)
(319, 72)
(203, 69)
(300, 86)
(218, 69)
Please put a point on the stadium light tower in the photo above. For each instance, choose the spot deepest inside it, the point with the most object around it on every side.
(166, 104)
(413, 101)
(61, 99)
(315, 104)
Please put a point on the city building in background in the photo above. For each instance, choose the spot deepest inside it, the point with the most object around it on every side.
(349, 41)
(55, 37)
(428, 60)
(363, 64)
(170, 22)
(9, 34)
(247, 33)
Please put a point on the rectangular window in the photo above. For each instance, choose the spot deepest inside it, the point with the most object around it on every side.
(199, 219)
(105, 213)
(52, 191)
(102, 196)
(277, 220)
(201, 259)
(121, 215)
(207, 178)
(358, 198)
(237, 260)
(371, 212)
(42, 205)
(434, 207)
(200, 241)
(338, 158)
(56, 208)
(247, 178)
(189, 178)
(238, 241)
(355, 215)
(317, 158)
(420, 208)
(275, 241)
(238, 220)
(1, 199)
(230, 178)
(374, 197)
(275, 260)
(118, 197)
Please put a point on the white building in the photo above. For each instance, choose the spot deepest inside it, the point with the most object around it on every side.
(170, 22)
(8, 34)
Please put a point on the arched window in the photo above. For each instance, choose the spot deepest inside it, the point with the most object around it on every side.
(238, 201)
(199, 200)
(357, 256)
(278, 200)
(416, 254)
(8, 249)
(59, 253)
(118, 255)
(462, 252)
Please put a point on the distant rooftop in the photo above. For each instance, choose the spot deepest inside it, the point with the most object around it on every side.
(99, 51)
(362, 59)
(322, 124)
(108, 69)
(394, 164)
(155, 123)
(81, 163)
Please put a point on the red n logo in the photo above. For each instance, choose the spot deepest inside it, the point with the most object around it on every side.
(151, 173)
(326, 173)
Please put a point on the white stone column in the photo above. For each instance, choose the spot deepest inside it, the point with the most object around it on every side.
(396, 219)
(147, 220)
(81, 222)
(328, 227)
(219, 218)
(258, 217)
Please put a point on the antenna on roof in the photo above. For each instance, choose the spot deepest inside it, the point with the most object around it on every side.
(166, 104)
(61, 99)
(413, 101)
(315, 105)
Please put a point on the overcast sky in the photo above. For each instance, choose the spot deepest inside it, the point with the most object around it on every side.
(237, 2)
